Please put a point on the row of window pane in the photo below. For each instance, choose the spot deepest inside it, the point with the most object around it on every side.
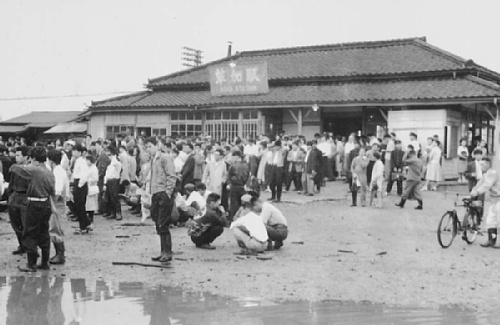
(185, 116)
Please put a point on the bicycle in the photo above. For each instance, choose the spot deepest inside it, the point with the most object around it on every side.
(449, 225)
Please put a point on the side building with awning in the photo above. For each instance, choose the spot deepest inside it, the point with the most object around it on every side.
(43, 125)
(399, 86)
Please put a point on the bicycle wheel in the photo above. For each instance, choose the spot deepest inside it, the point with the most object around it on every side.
(469, 225)
(447, 229)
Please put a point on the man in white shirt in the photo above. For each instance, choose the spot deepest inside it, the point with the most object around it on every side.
(62, 193)
(112, 181)
(249, 230)
(275, 222)
(251, 151)
(80, 188)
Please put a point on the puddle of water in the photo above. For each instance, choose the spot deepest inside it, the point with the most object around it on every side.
(60, 301)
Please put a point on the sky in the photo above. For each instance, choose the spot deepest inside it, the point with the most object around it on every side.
(77, 51)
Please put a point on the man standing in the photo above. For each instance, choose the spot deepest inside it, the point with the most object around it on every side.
(312, 166)
(413, 180)
(102, 164)
(237, 178)
(279, 154)
(112, 185)
(187, 172)
(296, 163)
(396, 168)
(162, 188)
(17, 203)
(199, 163)
(41, 188)
(80, 189)
(215, 173)
(59, 203)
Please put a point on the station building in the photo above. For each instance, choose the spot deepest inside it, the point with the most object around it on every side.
(399, 86)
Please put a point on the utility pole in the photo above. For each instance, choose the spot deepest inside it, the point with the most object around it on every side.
(191, 57)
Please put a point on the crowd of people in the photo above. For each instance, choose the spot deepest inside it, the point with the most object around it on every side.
(203, 184)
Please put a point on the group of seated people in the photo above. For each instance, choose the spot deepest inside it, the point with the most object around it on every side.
(258, 225)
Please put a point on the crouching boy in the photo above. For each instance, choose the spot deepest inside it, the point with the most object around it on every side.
(204, 230)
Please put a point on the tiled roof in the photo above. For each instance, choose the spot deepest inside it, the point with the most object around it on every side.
(122, 101)
(43, 119)
(356, 92)
(341, 60)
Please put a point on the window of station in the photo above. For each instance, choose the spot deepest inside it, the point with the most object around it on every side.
(113, 130)
(185, 124)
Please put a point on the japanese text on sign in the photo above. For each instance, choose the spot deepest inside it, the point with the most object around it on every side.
(241, 79)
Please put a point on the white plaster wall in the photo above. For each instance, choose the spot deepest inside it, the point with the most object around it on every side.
(425, 123)
(96, 126)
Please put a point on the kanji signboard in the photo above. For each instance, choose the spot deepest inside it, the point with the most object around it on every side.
(239, 79)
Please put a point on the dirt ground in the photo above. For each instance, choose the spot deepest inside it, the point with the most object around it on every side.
(413, 270)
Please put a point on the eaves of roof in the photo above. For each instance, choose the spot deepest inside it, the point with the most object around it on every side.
(460, 89)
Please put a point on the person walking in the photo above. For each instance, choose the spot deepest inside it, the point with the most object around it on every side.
(413, 180)
(163, 181)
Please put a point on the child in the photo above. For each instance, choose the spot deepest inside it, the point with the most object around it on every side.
(92, 195)
(377, 180)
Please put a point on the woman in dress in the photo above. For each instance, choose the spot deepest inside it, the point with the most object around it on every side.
(433, 174)
(462, 155)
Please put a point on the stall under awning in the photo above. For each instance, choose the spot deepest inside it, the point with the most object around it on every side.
(12, 129)
(68, 127)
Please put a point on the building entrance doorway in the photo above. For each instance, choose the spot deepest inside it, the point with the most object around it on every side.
(342, 125)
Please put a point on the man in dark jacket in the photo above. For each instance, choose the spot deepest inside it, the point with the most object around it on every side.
(206, 229)
(187, 172)
(237, 178)
(312, 167)
(396, 168)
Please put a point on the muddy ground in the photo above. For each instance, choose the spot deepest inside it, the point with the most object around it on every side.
(351, 254)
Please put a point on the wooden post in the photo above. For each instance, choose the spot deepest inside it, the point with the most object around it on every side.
(496, 138)
(299, 122)
(240, 124)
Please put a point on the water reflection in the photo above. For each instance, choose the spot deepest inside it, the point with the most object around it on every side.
(57, 301)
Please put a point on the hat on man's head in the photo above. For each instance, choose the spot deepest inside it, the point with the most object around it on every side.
(189, 187)
(71, 142)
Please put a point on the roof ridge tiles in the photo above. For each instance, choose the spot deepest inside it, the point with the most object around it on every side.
(344, 46)
(138, 93)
